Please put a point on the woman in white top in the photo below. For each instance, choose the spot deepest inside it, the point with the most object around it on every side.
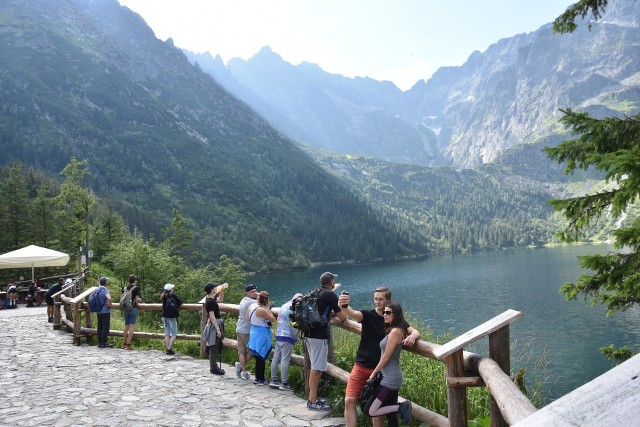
(260, 316)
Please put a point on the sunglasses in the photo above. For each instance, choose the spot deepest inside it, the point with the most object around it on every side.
(387, 312)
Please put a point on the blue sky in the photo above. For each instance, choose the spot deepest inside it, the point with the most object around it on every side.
(398, 40)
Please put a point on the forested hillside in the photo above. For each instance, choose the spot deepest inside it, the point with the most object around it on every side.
(90, 80)
(162, 140)
(464, 210)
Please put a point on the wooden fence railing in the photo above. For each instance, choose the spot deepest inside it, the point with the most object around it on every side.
(463, 369)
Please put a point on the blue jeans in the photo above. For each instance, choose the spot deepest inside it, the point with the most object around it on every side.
(170, 326)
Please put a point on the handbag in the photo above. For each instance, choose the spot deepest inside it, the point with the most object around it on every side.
(369, 392)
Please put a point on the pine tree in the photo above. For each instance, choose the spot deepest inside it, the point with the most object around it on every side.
(14, 209)
(610, 145)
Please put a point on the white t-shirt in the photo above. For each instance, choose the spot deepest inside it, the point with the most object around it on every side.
(244, 326)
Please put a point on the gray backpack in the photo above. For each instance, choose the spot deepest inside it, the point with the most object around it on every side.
(126, 300)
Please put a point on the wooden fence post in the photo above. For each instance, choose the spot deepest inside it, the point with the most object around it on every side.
(499, 352)
(456, 396)
(68, 310)
(88, 321)
(56, 312)
(77, 323)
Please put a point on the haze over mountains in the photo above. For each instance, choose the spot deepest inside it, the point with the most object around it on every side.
(89, 79)
(463, 116)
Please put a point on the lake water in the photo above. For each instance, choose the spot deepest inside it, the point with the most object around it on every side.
(457, 293)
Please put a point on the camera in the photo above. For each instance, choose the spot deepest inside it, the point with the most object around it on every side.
(345, 293)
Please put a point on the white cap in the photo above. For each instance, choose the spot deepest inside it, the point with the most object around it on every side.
(68, 282)
(168, 287)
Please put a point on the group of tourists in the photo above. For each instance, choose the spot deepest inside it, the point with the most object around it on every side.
(11, 297)
(384, 333)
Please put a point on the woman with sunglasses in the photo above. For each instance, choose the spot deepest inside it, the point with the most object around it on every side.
(386, 401)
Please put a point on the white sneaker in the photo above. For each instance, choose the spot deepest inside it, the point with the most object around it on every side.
(238, 369)
(245, 375)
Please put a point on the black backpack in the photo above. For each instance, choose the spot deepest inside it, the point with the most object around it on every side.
(170, 307)
(305, 313)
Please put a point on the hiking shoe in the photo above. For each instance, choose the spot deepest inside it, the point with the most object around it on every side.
(245, 375)
(170, 352)
(285, 387)
(318, 406)
(238, 369)
(274, 384)
(217, 371)
(405, 411)
(260, 382)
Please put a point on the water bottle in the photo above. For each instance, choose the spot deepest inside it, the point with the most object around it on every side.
(219, 289)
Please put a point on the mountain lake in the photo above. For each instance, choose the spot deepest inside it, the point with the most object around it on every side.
(556, 340)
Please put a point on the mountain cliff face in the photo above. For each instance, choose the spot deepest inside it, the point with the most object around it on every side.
(511, 94)
(463, 116)
(88, 78)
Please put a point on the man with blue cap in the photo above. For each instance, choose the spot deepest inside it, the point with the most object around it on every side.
(104, 315)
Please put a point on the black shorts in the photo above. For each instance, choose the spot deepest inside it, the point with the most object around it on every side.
(48, 299)
(12, 291)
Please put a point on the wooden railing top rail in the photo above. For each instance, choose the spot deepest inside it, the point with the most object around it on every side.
(83, 295)
(479, 331)
(62, 291)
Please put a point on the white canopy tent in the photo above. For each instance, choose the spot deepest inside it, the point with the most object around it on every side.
(33, 256)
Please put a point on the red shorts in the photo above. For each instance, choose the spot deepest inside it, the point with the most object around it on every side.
(359, 375)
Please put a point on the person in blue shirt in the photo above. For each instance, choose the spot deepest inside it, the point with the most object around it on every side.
(104, 315)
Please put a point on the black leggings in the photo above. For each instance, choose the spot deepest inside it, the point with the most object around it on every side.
(386, 403)
(260, 365)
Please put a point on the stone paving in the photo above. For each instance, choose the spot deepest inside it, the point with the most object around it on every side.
(47, 381)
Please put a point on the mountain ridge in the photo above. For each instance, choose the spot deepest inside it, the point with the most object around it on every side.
(462, 116)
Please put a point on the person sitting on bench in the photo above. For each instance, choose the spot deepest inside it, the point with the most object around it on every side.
(31, 294)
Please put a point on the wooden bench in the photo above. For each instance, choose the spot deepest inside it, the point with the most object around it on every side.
(451, 354)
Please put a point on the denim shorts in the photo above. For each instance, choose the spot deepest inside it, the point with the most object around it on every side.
(131, 317)
(170, 326)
